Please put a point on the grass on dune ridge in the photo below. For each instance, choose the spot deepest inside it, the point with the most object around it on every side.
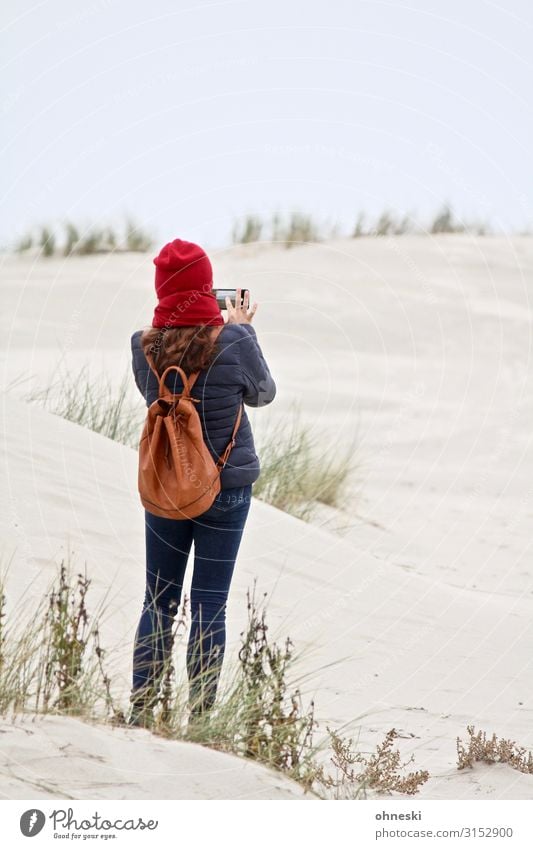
(85, 240)
(287, 230)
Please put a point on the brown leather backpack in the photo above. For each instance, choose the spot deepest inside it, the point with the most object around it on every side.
(178, 478)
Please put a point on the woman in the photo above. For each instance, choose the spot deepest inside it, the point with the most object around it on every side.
(232, 370)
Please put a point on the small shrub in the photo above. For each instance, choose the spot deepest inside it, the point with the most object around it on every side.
(258, 715)
(53, 662)
(492, 751)
(380, 771)
(275, 728)
(65, 640)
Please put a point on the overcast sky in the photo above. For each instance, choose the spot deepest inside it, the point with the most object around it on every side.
(189, 114)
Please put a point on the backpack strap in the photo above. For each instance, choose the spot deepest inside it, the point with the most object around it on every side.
(188, 382)
(223, 459)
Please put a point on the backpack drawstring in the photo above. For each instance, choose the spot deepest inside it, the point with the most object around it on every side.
(167, 459)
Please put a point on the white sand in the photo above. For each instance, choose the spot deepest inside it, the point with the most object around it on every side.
(57, 757)
(417, 616)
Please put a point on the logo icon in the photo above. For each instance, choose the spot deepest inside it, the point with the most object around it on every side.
(32, 822)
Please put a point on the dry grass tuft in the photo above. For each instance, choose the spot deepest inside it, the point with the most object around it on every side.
(380, 772)
(492, 751)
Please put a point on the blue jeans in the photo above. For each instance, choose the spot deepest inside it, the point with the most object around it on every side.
(217, 535)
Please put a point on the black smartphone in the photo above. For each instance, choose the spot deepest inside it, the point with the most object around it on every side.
(222, 294)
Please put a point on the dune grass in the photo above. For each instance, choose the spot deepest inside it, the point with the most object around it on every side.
(288, 230)
(299, 228)
(300, 468)
(47, 242)
(92, 241)
(83, 240)
(52, 662)
(248, 230)
(93, 402)
(296, 228)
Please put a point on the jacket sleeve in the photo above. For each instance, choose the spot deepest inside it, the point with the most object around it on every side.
(260, 388)
(142, 373)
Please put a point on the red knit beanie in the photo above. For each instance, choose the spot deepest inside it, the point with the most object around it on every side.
(184, 287)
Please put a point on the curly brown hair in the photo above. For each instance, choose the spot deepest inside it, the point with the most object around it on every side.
(192, 348)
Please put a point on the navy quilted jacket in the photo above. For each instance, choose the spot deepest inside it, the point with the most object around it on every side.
(238, 373)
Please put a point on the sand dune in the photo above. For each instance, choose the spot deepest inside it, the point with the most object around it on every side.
(419, 614)
(58, 757)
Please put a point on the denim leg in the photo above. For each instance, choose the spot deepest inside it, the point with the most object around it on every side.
(217, 537)
(168, 544)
